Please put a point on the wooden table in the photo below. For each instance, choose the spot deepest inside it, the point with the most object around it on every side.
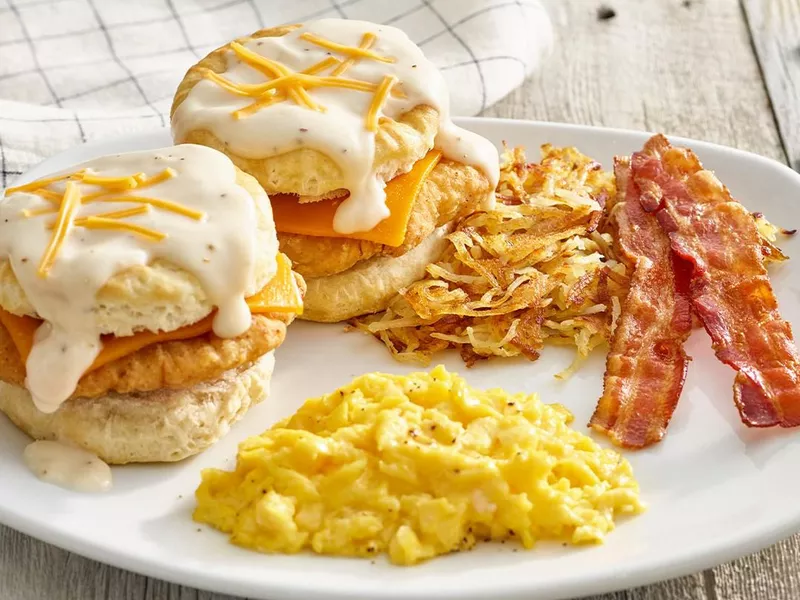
(719, 70)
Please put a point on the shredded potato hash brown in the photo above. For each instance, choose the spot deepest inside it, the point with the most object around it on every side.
(540, 266)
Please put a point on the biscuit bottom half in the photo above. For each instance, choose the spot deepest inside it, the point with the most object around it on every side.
(160, 426)
(369, 286)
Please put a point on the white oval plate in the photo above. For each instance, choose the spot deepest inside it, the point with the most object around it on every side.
(716, 489)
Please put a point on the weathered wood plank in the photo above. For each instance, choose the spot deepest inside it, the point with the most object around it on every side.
(775, 27)
(33, 570)
(773, 574)
(654, 66)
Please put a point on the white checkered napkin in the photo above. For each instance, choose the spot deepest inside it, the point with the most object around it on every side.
(77, 70)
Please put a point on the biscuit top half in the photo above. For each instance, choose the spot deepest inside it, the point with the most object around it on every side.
(145, 241)
(326, 108)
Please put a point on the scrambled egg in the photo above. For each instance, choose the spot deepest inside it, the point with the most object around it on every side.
(417, 466)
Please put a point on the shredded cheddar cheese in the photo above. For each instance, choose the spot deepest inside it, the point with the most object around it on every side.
(378, 100)
(143, 181)
(367, 41)
(49, 195)
(123, 183)
(119, 214)
(287, 84)
(351, 51)
(70, 204)
(272, 68)
(113, 190)
(156, 202)
(105, 223)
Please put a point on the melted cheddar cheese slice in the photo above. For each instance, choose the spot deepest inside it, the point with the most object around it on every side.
(316, 218)
(281, 294)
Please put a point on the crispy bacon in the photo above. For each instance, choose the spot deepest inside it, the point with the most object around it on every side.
(729, 288)
(646, 364)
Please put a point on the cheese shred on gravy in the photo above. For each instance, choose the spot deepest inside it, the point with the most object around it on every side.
(417, 466)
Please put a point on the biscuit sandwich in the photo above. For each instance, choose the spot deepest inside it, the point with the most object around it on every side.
(141, 298)
(346, 126)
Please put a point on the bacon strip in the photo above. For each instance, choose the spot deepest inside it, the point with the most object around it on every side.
(729, 288)
(646, 364)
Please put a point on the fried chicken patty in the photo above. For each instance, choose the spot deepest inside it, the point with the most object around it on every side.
(451, 191)
(165, 365)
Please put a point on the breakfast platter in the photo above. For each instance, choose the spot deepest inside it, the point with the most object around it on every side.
(714, 489)
(481, 368)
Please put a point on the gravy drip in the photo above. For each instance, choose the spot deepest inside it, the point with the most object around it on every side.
(68, 341)
(339, 132)
(68, 467)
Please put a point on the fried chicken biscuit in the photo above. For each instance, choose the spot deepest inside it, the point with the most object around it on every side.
(141, 298)
(346, 125)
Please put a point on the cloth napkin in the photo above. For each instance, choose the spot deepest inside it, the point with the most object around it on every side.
(78, 70)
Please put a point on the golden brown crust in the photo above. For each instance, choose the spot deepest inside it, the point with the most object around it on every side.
(166, 365)
(399, 143)
(160, 426)
(371, 284)
(451, 191)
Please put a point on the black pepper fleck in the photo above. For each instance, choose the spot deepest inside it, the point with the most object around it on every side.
(211, 247)
(199, 530)
(344, 151)
(303, 129)
(687, 3)
(605, 13)
(413, 66)
(24, 260)
(223, 195)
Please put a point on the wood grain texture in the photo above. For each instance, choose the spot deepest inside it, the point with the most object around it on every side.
(773, 574)
(655, 66)
(775, 27)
